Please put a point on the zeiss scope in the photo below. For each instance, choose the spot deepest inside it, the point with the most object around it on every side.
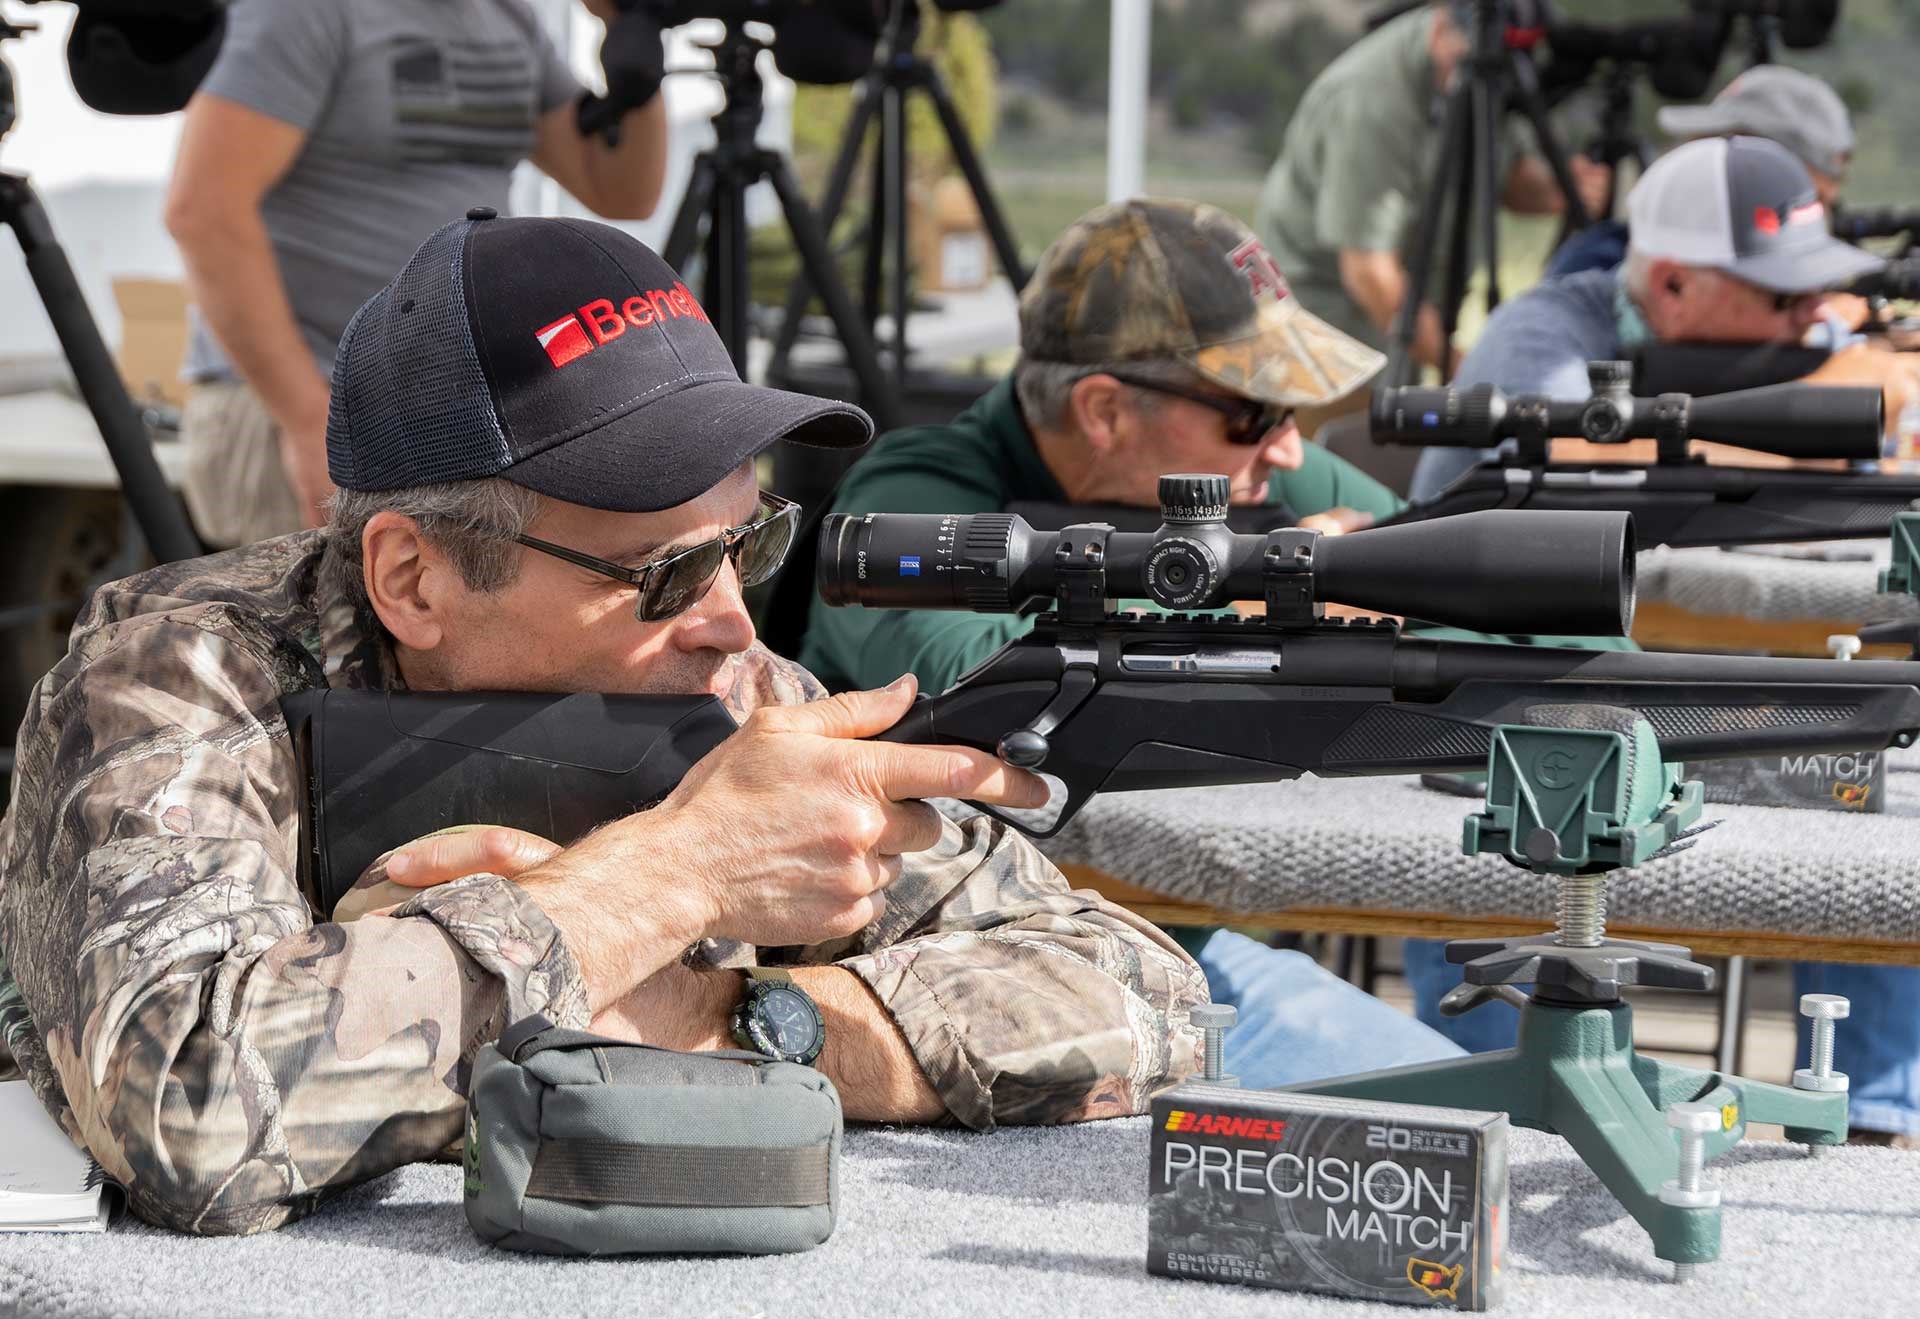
(1500, 570)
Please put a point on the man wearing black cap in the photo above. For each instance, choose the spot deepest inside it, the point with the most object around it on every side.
(545, 463)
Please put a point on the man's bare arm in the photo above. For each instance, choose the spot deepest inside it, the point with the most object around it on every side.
(1378, 283)
(230, 157)
(864, 1055)
(619, 182)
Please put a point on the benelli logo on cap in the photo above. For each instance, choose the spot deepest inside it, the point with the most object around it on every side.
(579, 332)
(1223, 1124)
(1257, 266)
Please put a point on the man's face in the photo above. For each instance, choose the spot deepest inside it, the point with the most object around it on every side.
(557, 627)
(1162, 433)
(1711, 306)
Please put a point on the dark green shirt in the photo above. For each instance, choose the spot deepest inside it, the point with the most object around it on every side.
(982, 461)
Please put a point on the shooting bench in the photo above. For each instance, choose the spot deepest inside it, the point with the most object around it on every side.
(1753, 600)
(1381, 856)
(1023, 1222)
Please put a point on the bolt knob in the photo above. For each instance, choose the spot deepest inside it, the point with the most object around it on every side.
(1214, 1016)
(1843, 647)
(1699, 1118)
(1830, 1007)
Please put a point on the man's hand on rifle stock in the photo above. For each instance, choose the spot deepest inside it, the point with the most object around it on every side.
(786, 834)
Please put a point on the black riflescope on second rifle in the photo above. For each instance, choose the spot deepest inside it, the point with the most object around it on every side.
(1793, 420)
(1494, 571)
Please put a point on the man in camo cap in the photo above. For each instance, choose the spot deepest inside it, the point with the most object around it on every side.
(1156, 336)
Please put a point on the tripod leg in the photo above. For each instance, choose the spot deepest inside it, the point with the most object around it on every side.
(968, 159)
(1459, 249)
(1487, 100)
(895, 113)
(1524, 91)
(866, 102)
(727, 282)
(876, 252)
(686, 221)
(163, 521)
(817, 260)
(1402, 369)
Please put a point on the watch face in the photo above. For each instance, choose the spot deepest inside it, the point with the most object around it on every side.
(789, 1020)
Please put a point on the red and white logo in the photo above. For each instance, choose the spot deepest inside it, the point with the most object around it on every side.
(1766, 219)
(565, 339)
(1262, 273)
(593, 324)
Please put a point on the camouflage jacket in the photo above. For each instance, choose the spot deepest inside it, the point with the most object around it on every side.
(173, 1001)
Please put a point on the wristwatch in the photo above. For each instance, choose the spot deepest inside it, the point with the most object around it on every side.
(778, 1018)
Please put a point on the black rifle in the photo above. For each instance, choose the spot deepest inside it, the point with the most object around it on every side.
(1677, 499)
(1108, 702)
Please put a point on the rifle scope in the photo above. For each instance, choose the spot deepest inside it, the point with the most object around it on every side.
(1876, 222)
(1791, 420)
(1500, 570)
(1899, 280)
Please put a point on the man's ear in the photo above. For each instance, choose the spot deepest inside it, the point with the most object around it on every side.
(407, 578)
(1096, 405)
(1665, 295)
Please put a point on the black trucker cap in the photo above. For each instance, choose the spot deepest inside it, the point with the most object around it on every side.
(562, 355)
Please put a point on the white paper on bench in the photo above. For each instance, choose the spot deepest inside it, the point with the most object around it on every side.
(46, 1183)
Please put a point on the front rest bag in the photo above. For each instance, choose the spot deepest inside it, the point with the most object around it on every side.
(582, 1145)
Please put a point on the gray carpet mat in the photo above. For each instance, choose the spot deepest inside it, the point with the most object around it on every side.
(1774, 584)
(1390, 844)
(1023, 1223)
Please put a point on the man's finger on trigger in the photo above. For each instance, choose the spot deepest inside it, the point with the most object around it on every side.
(905, 773)
(912, 826)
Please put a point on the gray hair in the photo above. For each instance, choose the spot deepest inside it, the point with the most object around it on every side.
(472, 522)
(1046, 388)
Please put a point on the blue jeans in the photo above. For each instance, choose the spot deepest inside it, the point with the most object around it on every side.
(1877, 1046)
(1300, 1022)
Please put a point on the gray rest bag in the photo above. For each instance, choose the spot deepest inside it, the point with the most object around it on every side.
(581, 1145)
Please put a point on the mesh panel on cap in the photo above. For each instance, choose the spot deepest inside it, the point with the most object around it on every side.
(1679, 208)
(410, 405)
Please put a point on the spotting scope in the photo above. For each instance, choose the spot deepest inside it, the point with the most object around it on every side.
(1791, 420)
(1493, 571)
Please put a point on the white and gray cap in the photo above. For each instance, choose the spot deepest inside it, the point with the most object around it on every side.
(1745, 205)
(1795, 109)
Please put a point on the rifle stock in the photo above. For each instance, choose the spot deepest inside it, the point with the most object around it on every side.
(1140, 703)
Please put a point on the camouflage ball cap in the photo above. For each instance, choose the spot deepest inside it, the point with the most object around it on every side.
(1160, 278)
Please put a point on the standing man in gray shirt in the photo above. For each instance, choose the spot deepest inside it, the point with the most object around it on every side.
(328, 140)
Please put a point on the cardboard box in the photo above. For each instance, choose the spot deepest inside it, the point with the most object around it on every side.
(153, 338)
(1376, 1201)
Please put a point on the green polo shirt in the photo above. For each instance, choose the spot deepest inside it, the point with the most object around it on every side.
(982, 461)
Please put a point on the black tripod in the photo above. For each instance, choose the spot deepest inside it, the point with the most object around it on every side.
(716, 193)
(883, 93)
(156, 509)
(1495, 79)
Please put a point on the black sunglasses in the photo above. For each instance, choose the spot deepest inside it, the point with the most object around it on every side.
(1249, 421)
(670, 586)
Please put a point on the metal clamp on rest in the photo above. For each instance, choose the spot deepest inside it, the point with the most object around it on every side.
(1900, 577)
